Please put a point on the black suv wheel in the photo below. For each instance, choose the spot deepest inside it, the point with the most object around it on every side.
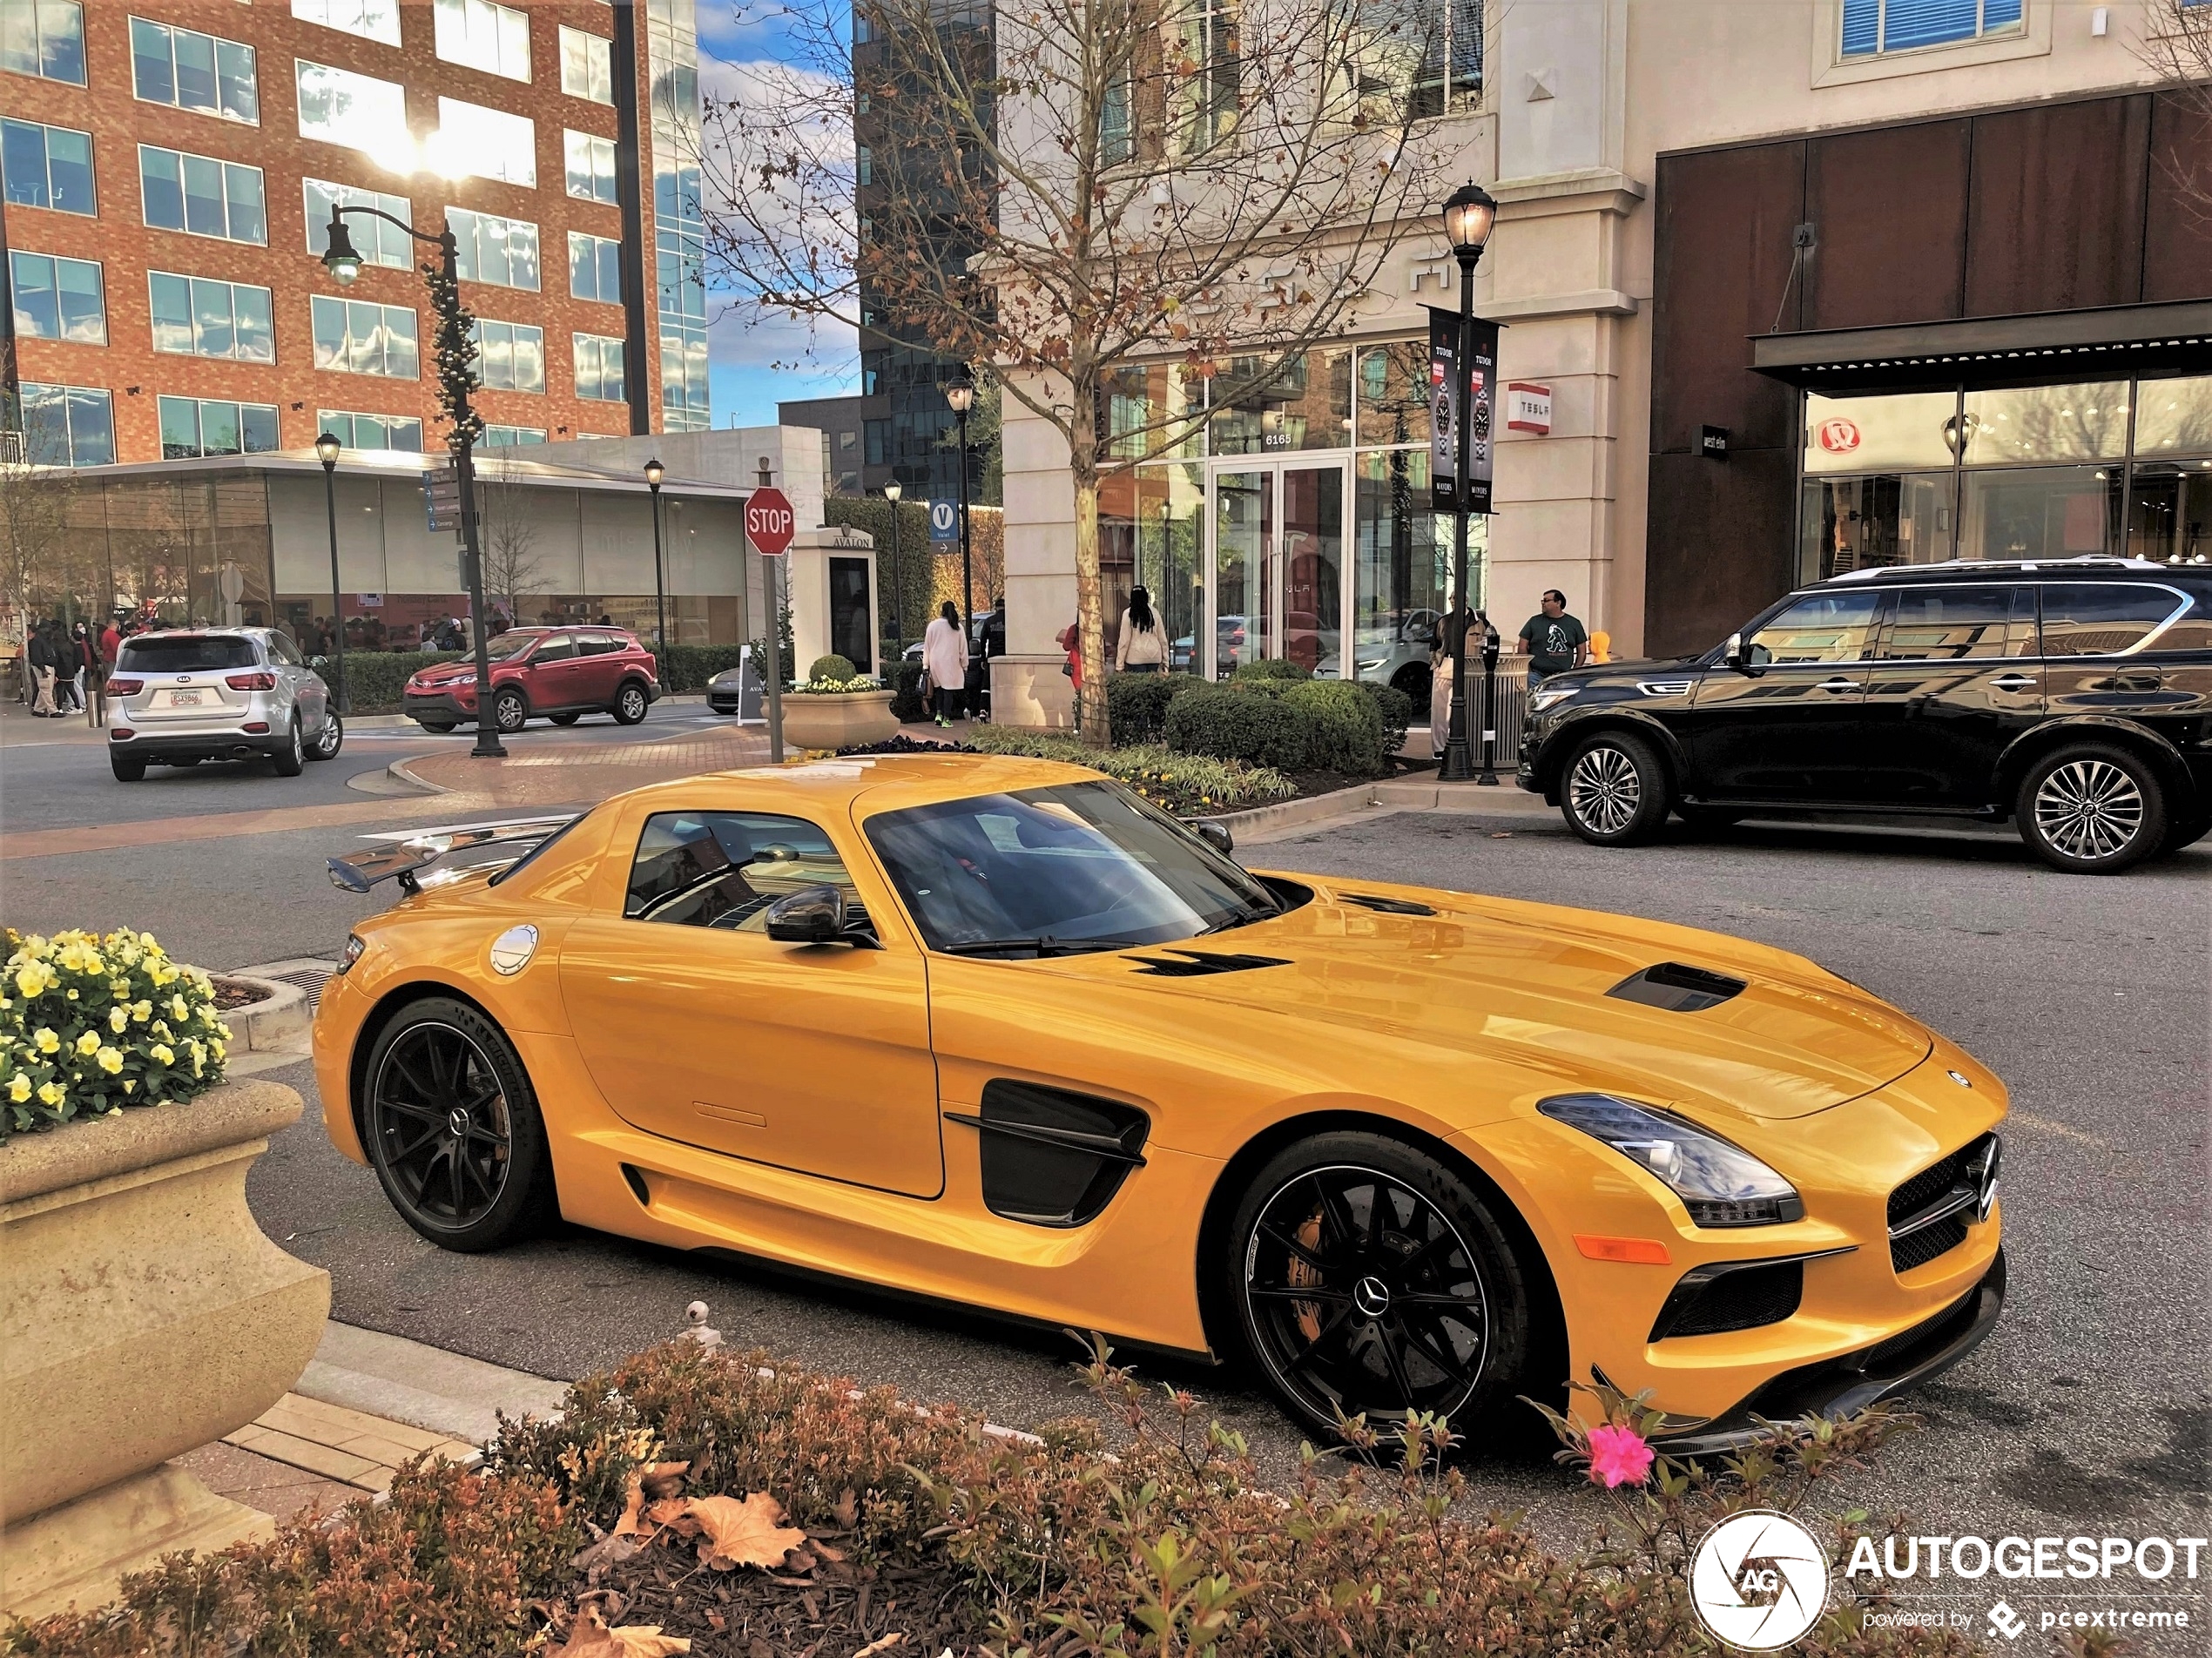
(2091, 809)
(1612, 790)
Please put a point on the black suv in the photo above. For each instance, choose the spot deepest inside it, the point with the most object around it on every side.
(2073, 696)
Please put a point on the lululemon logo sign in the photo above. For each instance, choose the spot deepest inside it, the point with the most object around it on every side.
(1759, 1580)
(1838, 437)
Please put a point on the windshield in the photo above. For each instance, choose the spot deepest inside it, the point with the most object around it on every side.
(186, 653)
(502, 647)
(1072, 863)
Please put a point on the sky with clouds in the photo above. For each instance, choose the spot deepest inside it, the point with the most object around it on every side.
(746, 350)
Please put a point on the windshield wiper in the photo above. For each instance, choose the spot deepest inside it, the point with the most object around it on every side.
(1043, 945)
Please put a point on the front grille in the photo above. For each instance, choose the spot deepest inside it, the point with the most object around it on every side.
(1951, 1177)
(1929, 1184)
(1917, 1249)
(1707, 1303)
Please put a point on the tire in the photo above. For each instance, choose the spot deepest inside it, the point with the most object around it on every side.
(128, 768)
(291, 759)
(1612, 790)
(330, 738)
(1304, 1222)
(630, 705)
(2184, 832)
(451, 1126)
(442, 727)
(509, 711)
(564, 719)
(2091, 809)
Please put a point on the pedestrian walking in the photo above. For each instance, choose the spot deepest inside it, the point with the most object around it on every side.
(1553, 641)
(1141, 647)
(944, 658)
(41, 674)
(66, 701)
(91, 680)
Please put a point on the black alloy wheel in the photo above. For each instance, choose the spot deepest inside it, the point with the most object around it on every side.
(451, 1126)
(330, 738)
(2091, 809)
(629, 704)
(292, 758)
(1613, 792)
(570, 719)
(509, 711)
(1368, 1278)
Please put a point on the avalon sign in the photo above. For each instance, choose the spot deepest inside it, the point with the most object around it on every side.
(769, 523)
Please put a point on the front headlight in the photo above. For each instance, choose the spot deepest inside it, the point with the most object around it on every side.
(1550, 696)
(1369, 665)
(354, 948)
(1720, 1184)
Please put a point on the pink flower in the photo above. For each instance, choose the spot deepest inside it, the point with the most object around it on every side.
(1618, 1457)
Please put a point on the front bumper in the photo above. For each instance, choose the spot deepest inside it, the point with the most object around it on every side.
(438, 705)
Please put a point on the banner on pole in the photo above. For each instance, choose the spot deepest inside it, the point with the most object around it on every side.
(1461, 451)
(1443, 409)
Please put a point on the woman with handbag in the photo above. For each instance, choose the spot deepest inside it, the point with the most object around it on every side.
(944, 659)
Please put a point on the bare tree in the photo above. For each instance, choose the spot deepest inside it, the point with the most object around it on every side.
(507, 532)
(1107, 205)
(34, 499)
(2176, 45)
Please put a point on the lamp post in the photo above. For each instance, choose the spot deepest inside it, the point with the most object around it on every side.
(1468, 215)
(456, 379)
(960, 393)
(654, 472)
(892, 491)
(326, 452)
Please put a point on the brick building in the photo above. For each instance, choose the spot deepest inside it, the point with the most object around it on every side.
(168, 170)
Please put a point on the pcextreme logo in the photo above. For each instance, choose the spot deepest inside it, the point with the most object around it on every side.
(1759, 1580)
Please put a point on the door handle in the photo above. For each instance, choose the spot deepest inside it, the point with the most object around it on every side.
(1838, 687)
(2011, 682)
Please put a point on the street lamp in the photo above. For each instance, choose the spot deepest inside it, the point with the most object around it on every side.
(455, 377)
(960, 393)
(326, 451)
(654, 472)
(892, 491)
(1468, 216)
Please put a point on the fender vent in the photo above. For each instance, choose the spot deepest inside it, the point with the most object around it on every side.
(1387, 906)
(1052, 1157)
(1201, 962)
(1677, 989)
(1711, 1300)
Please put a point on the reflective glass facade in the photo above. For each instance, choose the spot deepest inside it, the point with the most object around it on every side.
(680, 231)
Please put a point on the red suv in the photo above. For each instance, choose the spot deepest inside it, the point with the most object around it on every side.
(559, 673)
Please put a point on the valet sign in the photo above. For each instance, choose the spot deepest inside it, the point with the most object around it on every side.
(769, 523)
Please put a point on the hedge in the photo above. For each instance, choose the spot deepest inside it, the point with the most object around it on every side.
(1235, 722)
(832, 667)
(1344, 726)
(1396, 708)
(1136, 704)
(688, 667)
(906, 688)
(1187, 785)
(375, 678)
(1270, 668)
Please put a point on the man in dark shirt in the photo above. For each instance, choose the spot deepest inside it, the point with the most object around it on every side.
(1552, 640)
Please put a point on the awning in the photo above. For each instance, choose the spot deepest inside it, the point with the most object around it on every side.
(2103, 344)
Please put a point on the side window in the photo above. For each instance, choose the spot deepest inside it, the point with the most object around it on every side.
(598, 644)
(283, 650)
(1822, 627)
(723, 869)
(559, 648)
(2102, 618)
(2193, 630)
(1959, 623)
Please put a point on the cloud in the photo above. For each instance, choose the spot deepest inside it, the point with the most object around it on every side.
(754, 368)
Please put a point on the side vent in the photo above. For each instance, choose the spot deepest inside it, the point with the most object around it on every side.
(1387, 906)
(1052, 1157)
(636, 1181)
(1677, 989)
(1201, 962)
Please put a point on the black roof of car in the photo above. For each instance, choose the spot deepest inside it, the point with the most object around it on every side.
(2100, 565)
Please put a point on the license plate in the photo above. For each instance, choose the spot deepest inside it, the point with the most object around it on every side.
(184, 700)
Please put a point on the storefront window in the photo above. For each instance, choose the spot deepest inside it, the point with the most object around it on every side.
(1145, 408)
(2173, 416)
(2032, 425)
(1308, 406)
(1392, 385)
(2039, 512)
(1910, 431)
(1161, 511)
(1861, 523)
(1401, 556)
(2169, 511)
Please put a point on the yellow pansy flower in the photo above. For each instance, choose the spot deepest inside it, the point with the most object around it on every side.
(142, 1011)
(19, 1087)
(163, 1052)
(117, 1018)
(178, 1009)
(111, 1060)
(88, 1042)
(46, 1041)
(51, 1094)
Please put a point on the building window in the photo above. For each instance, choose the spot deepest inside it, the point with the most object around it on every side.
(377, 242)
(357, 111)
(587, 66)
(71, 426)
(190, 70)
(866, 174)
(509, 437)
(511, 356)
(356, 337)
(58, 299)
(502, 252)
(1410, 59)
(45, 39)
(372, 431)
(1201, 34)
(489, 144)
(493, 38)
(1875, 26)
(591, 165)
(201, 195)
(594, 268)
(194, 426)
(198, 316)
(879, 442)
(47, 166)
(370, 19)
(598, 368)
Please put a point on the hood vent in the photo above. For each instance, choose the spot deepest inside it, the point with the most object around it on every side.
(1201, 962)
(1677, 989)
(1387, 906)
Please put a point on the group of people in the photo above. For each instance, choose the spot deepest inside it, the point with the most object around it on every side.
(1552, 640)
(69, 663)
(954, 684)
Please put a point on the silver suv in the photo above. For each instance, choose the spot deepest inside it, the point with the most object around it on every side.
(184, 695)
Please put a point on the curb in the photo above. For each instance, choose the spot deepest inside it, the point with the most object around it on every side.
(1506, 797)
(397, 771)
(278, 1023)
(1290, 814)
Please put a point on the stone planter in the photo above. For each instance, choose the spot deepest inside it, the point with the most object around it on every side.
(838, 718)
(142, 1314)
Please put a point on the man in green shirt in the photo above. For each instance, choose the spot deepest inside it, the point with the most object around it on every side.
(1553, 641)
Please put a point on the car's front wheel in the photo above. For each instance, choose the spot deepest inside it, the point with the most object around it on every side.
(290, 757)
(509, 711)
(631, 703)
(1613, 792)
(1367, 1276)
(2091, 809)
(330, 738)
(451, 1126)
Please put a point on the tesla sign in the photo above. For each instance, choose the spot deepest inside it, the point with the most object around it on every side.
(768, 522)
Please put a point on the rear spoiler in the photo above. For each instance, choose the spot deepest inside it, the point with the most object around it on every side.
(416, 849)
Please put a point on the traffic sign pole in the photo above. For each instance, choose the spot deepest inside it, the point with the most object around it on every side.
(769, 525)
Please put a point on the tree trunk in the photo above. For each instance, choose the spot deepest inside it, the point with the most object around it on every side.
(1090, 616)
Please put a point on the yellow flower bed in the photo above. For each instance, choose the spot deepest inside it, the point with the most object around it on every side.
(90, 1024)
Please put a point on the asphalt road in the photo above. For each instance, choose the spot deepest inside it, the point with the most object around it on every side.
(2087, 1410)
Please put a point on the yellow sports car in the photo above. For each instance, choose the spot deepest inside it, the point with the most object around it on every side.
(1000, 1031)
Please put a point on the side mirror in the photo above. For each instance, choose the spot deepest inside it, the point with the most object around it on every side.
(1217, 835)
(812, 915)
(1732, 652)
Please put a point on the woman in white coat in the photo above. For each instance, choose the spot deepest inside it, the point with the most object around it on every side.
(944, 658)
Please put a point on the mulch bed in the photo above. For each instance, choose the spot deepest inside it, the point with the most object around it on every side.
(237, 993)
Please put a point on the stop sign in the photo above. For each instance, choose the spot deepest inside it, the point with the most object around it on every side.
(768, 522)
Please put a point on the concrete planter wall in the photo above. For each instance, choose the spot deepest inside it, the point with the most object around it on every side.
(142, 1314)
(837, 719)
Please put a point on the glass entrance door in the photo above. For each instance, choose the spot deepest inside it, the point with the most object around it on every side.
(1277, 567)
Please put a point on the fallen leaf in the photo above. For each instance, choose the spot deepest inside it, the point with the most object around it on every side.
(896, 1638)
(848, 1509)
(747, 1532)
(666, 1511)
(609, 1551)
(633, 1504)
(663, 1478)
(591, 1638)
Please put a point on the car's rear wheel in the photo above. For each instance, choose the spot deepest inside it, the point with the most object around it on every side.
(290, 759)
(442, 727)
(564, 719)
(1369, 1277)
(452, 1128)
(509, 711)
(1613, 792)
(330, 738)
(128, 768)
(629, 704)
(2091, 809)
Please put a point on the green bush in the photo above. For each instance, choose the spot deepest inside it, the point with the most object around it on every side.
(1343, 726)
(1187, 785)
(832, 667)
(906, 687)
(688, 667)
(1136, 704)
(1266, 668)
(375, 678)
(1237, 723)
(1396, 708)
